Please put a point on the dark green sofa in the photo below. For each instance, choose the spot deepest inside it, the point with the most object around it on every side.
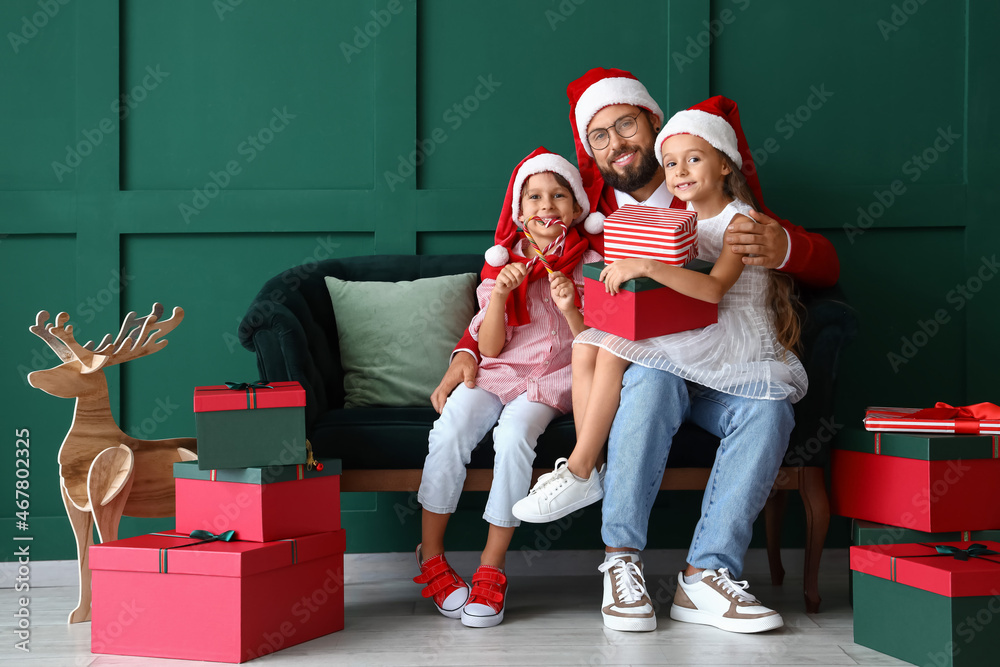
(291, 327)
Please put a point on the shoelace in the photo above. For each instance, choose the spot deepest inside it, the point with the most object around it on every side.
(737, 589)
(628, 579)
(551, 482)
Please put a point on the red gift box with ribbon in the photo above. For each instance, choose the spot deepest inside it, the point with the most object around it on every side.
(668, 235)
(931, 482)
(980, 419)
(250, 424)
(170, 595)
(260, 504)
(930, 603)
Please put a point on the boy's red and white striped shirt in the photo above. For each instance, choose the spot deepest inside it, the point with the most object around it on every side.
(536, 356)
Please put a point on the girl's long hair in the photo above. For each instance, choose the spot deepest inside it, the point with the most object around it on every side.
(782, 295)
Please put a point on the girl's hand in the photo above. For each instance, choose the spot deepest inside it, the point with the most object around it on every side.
(563, 291)
(616, 273)
(510, 277)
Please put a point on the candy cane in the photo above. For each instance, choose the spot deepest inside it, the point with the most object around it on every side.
(554, 246)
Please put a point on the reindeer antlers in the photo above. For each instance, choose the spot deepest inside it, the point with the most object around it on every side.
(138, 337)
(40, 329)
(143, 337)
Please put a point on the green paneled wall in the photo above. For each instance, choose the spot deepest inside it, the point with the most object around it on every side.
(186, 151)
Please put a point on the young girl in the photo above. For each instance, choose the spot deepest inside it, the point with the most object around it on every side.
(748, 352)
(525, 328)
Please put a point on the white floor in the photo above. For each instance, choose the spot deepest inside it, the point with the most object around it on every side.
(553, 618)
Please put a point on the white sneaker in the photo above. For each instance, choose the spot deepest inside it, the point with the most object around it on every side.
(718, 600)
(626, 605)
(557, 494)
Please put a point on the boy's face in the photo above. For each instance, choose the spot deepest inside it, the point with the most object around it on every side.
(543, 196)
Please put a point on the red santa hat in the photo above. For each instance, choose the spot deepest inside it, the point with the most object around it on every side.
(717, 121)
(538, 162)
(593, 91)
(562, 256)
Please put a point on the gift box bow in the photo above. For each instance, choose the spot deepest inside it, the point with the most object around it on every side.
(251, 389)
(974, 551)
(203, 537)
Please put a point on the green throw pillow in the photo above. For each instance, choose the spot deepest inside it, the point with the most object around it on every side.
(396, 338)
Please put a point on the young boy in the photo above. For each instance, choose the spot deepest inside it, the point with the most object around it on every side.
(530, 313)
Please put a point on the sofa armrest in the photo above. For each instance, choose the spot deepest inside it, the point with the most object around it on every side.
(290, 345)
(829, 325)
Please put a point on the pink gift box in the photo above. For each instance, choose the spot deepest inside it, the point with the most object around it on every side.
(166, 595)
(669, 235)
(298, 502)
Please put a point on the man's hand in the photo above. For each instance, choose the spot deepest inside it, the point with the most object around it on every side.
(463, 368)
(765, 239)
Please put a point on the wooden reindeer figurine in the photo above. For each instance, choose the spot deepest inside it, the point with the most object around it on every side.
(105, 473)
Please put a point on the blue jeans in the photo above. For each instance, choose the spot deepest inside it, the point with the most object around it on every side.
(754, 436)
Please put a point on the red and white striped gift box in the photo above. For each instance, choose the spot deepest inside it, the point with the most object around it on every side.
(907, 420)
(669, 235)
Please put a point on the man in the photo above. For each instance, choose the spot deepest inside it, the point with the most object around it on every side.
(753, 433)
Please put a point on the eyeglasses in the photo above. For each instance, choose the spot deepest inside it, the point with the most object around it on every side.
(625, 127)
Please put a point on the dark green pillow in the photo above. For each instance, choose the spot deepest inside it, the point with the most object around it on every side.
(396, 338)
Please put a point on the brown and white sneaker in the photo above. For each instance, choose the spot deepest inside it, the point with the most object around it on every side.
(718, 600)
(626, 606)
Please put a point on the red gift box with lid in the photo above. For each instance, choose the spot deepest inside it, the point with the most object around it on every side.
(643, 308)
(167, 595)
(244, 425)
(929, 482)
(930, 603)
(260, 504)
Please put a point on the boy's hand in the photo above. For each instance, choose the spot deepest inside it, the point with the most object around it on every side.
(563, 291)
(615, 273)
(510, 277)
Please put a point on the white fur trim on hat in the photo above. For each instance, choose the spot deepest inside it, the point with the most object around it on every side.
(713, 129)
(594, 224)
(605, 93)
(497, 256)
(556, 164)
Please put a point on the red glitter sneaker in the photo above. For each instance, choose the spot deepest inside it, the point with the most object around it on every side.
(488, 598)
(448, 591)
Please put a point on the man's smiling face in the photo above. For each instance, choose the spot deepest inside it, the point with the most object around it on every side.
(627, 164)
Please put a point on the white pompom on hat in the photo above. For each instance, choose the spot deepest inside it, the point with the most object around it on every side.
(540, 161)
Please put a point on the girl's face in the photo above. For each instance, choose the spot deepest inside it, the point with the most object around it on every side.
(543, 196)
(694, 169)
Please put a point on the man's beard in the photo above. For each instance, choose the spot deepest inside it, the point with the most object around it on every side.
(636, 175)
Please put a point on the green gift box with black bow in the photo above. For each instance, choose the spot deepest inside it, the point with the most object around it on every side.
(929, 603)
(250, 424)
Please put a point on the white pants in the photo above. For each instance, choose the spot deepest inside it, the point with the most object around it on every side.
(468, 415)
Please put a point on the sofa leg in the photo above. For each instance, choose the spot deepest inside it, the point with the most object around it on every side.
(812, 486)
(774, 519)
